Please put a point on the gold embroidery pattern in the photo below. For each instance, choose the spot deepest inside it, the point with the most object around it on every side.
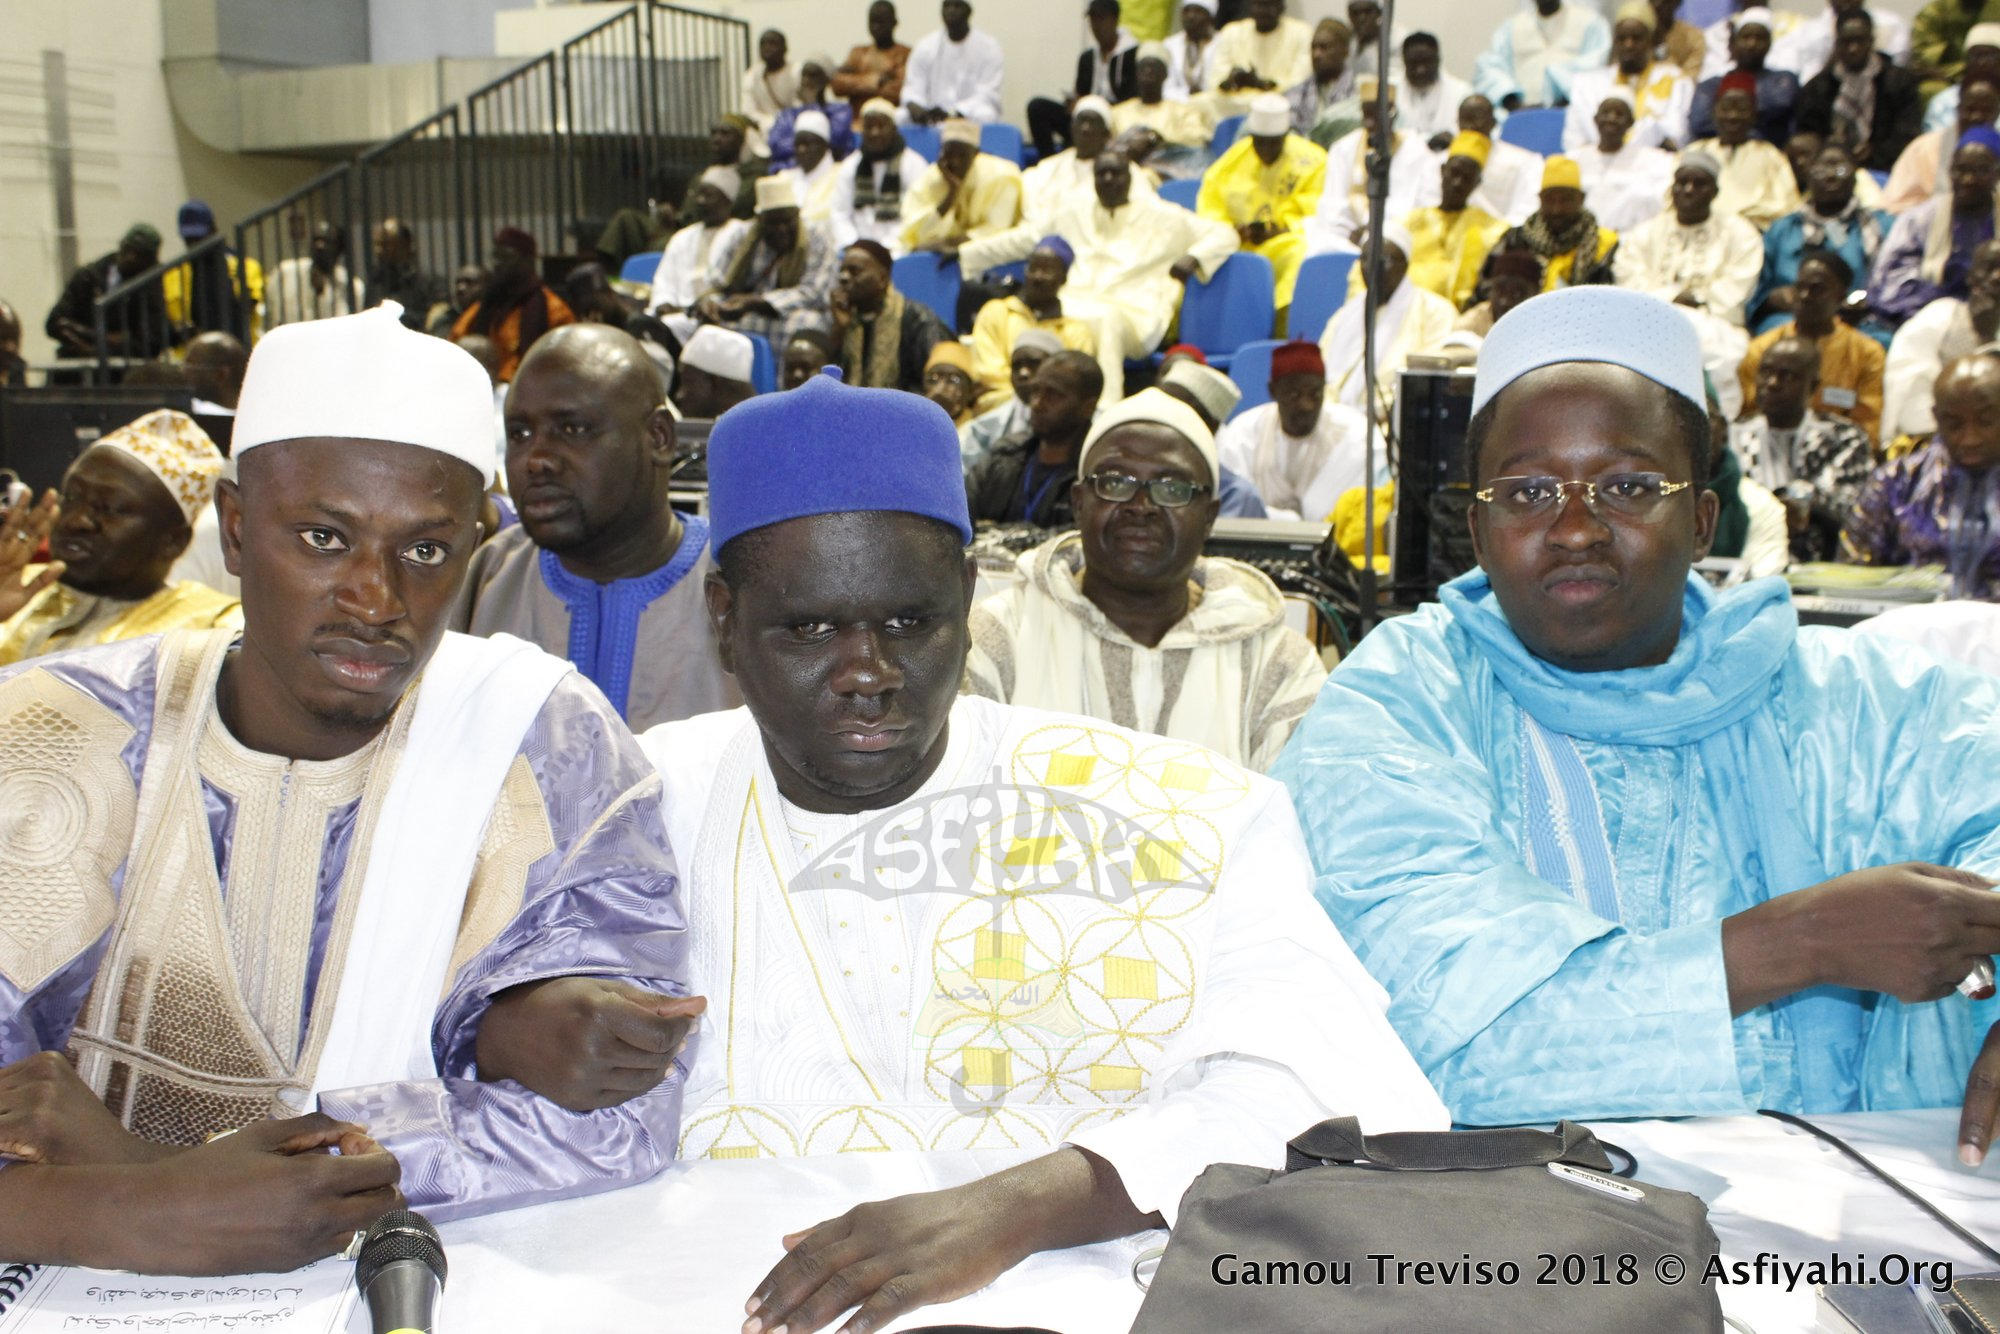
(67, 802)
(1064, 986)
(517, 836)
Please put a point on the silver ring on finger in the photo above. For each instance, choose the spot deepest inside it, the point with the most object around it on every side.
(1978, 982)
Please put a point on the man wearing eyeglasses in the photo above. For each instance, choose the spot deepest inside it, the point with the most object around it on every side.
(1619, 845)
(1126, 621)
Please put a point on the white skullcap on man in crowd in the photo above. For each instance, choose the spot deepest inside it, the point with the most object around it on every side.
(1159, 408)
(813, 123)
(721, 352)
(1603, 324)
(1216, 392)
(1270, 117)
(366, 377)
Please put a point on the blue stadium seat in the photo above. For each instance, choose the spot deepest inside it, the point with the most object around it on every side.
(763, 365)
(1251, 369)
(1881, 178)
(1322, 289)
(1002, 141)
(921, 140)
(932, 281)
(1233, 308)
(1018, 271)
(1224, 136)
(639, 268)
(1183, 193)
(1538, 131)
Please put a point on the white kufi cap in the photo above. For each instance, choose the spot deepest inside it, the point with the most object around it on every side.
(366, 377)
(1270, 116)
(1162, 409)
(719, 351)
(1609, 325)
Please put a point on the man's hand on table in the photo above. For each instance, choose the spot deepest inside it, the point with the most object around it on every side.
(48, 1115)
(1911, 931)
(269, 1198)
(890, 1257)
(584, 1043)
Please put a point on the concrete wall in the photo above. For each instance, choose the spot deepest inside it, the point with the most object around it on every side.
(406, 30)
(293, 32)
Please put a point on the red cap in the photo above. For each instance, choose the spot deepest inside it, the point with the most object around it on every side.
(1297, 357)
(1185, 350)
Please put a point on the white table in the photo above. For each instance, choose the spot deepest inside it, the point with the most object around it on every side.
(682, 1252)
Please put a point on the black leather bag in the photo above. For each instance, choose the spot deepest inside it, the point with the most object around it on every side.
(1473, 1229)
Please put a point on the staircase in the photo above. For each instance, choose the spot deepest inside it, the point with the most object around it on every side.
(553, 146)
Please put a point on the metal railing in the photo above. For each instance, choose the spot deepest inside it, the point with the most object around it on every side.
(554, 146)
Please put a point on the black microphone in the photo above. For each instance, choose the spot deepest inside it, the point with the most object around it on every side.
(400, 1272)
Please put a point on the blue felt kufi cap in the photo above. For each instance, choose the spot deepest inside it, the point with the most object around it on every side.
(829, 448)
(1644, 334)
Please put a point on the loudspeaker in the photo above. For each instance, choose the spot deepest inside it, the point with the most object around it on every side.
(1430, 545)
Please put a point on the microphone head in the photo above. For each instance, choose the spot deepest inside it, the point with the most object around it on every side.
(402, 1234)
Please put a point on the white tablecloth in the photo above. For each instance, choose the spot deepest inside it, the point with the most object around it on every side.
(683, 1251)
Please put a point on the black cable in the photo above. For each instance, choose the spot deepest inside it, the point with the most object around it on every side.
(1886, 1179)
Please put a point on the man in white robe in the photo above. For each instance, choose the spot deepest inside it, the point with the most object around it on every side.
(868, 197)
(1125, 619)
(1102, 953)
(1704, 261)
(954, 72)
(295, 881)
(1427, 96)
(1510, 186)
(1657, 90)
(1409, 320)
(1190, 51)
(1301, 450)
(1343, 202)
(1134, 253)
(682, 277)
(1625, 182)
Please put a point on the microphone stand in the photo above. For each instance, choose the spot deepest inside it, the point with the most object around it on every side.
(1380, 152)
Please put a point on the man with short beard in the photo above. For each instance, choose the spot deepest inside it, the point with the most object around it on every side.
(1203, 1015)
(301, 875)
(1565, 235)
(600, 570)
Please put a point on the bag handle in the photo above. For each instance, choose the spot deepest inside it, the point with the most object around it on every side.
(1340, 1140)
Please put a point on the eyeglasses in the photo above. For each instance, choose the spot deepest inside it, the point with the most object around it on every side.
(1169, 493)
(1625, 495)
